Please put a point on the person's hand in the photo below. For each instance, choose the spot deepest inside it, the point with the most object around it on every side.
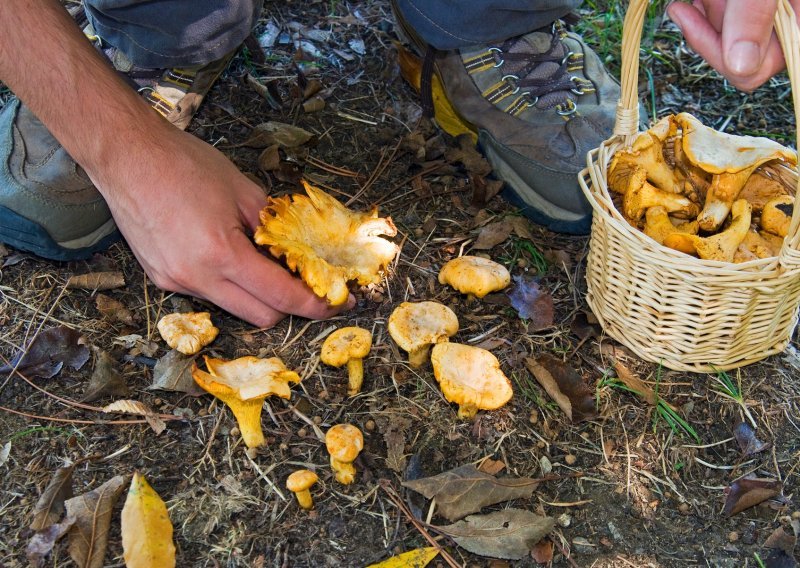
(187, 214)
(735, 36)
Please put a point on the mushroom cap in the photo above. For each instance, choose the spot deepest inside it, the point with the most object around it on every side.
(187, 332)
(474, 275)
(470, 376)
(777, 215)
(641, 195)
(301, 480)
(415, 324)
(246, 377)
(327, 243)
(646, 152)
(717, 152)
(344, 442)
(345, 344)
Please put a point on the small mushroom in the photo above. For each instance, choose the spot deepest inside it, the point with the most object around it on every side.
(415, 326)
(762, 187)
(299, 483)
(348, 346)
(474, 275)
(641, 196)
(344, 442)
(647, 151)
(658, 225)
(777, 215)
(243, 384)
(721, 246)
(753, 247)
(187, 332)
(730, 159)
(470, 377)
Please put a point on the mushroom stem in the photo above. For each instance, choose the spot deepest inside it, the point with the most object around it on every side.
(355, 373)
(418, 357)
(345, 472)
(467, 411)
(304, 499)
(248, 416)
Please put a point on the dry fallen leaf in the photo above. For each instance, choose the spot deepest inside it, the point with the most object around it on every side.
(105, 381)
(492, 235)
(564, 385)
(50, 506)
(466, 490)
(636, 384)
(532, 302)
(542, 552)
(43, 541)
(510, 533)
(394, 436)
(173, 372)
(114, 310)
(748, 492)
(418, 558)
(97, 281)
(746, 438)
(269, 159)
(146, 528)
(284, 135)
(88, 537)
(47, 354)
(140, 409)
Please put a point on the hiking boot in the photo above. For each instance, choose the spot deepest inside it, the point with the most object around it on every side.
(535, 104)
(48, 205)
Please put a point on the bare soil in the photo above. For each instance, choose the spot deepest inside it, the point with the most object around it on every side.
(648, 495)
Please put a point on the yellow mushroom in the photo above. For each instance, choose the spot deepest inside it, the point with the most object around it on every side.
(647, 151)
(299, 483)
(760, 188)
(416, 325)
(348, 346)
(658, 225)
(730, 159)
(641, 196)
(721, 246)
(753, 247)
(326, 243)
(243, 384)
(474, 275)
(777, 215)
(470, 377)
(187, 332)
(344, 442)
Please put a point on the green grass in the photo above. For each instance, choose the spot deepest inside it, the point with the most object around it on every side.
(37, 429)
(726, 388)
(525, 248)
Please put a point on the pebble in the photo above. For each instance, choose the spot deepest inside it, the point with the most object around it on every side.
(733, 536)
(369, 425)
(252, 453)
(234, 431)
(570, 459)
(683, 508)
(546, 466)
(564, 520)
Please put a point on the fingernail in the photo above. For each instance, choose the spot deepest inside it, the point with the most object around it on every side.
(744, 58)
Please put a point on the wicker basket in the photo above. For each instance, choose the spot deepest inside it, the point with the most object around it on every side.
(668, 307)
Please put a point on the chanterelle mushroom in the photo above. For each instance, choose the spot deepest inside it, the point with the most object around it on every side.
(243, 384)
(730, 159)
(344, 442)
(641, 196)
(416, 325)
(721, 246)
(187, 332)
(658, 225)
(647, 151)
(474, 275)
(777, 215)
(328, 244)
(299, 483)
(348, 346)
(470, 377)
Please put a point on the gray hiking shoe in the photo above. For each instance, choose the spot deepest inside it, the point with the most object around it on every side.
(535, 104)
(48, 205)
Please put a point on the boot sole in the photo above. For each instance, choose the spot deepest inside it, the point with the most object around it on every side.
(23, 234)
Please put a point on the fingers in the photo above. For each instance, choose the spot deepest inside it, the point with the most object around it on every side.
(746, 34)
(237, 301)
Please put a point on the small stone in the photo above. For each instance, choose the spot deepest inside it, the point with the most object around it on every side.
(302, 432)
(252, 453)
(733, 536)
(369, 425)
(796, 515)
(570, 459)
(534, 417)
(234, 432)
(540, 444)
(564, 520)
(284, 446)
(750, 534)
(546, 466)
(317, 420)
(683, 508)
(582, 545)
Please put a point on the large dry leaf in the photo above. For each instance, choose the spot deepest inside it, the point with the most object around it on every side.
(50, 506)
(146, 528)
(97, 281)
(173, 372)
(746, 438)
(43, 541)
(271, 133)
(510, 533)
(418, 558)
(395, 437)
(492, 235)
(47, 354)
(105, 381)
(466, 490)
(114, 310)
(748, 492)
(564, 385)
(532, 302)
(137, 408)
(88, 537)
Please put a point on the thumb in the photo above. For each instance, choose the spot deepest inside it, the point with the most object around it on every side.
(746, 32)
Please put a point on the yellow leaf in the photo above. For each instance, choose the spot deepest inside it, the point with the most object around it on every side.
(146, 528)
(418, 558)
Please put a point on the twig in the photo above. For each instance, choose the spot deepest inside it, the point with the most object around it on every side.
(386, 486)
(70, 420)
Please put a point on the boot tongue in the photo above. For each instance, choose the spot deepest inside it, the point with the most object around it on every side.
(537, 44)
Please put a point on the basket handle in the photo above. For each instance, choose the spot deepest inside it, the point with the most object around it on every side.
(627, 118)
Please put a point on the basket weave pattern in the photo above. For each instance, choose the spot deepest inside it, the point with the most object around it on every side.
(668, 307)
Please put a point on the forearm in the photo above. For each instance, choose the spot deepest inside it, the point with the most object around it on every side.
(51, 66)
